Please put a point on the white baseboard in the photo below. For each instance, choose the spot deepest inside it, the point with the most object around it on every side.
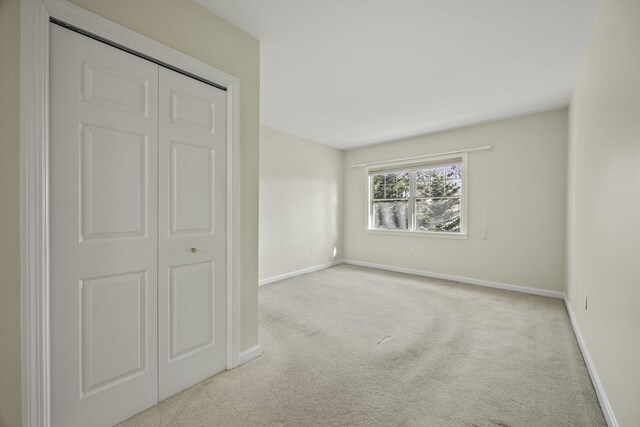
(468, 280)
(593, 372)
(249, 354)
(298, 273)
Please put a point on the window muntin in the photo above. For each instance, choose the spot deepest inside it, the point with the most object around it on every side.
(424, 198)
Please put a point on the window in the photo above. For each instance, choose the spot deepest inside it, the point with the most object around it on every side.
(427, 198)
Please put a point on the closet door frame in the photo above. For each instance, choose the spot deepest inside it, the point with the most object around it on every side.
(34, 184)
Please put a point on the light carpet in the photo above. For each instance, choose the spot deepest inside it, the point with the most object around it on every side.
(364, 347)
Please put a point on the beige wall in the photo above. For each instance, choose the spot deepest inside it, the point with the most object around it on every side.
(604, 204)
(9, 213)
(516, 193)
(300, 203)
(182, 25)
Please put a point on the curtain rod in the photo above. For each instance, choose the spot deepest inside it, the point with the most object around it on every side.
(467, 150)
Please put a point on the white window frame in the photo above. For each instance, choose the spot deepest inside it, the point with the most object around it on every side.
(462, 158)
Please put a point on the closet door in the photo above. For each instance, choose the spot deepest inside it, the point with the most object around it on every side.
(192, 232)
(103, 205)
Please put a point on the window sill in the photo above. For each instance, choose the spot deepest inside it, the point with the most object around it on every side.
(437, 235)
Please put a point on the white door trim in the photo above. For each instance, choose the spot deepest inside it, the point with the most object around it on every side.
(34, 184)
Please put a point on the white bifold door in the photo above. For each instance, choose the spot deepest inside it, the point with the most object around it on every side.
(137, 231)
(192, 231)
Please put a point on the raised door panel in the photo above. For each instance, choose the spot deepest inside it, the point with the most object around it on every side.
(191, 309)
(189, 111)
(113, 327)
(113, 185)
(105, 86)
(192, 188)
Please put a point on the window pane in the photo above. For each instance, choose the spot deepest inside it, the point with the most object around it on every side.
(378, 186)
(438, 214)
(390, 192)
(438, 182)
(392, 215)
(453, 187)
(453, 171)
(442, 181)
(423, 183)
(391, 186)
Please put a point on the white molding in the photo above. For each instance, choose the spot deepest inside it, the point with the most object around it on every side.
(34, 172)
(279, 277)
(605, 405)
(233, 224)
(34, 151)
(250, 354)
(461, 279)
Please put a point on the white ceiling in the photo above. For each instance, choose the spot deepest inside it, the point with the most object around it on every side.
(348, 73)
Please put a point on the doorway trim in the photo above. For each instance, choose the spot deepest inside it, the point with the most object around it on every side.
(34, 184)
